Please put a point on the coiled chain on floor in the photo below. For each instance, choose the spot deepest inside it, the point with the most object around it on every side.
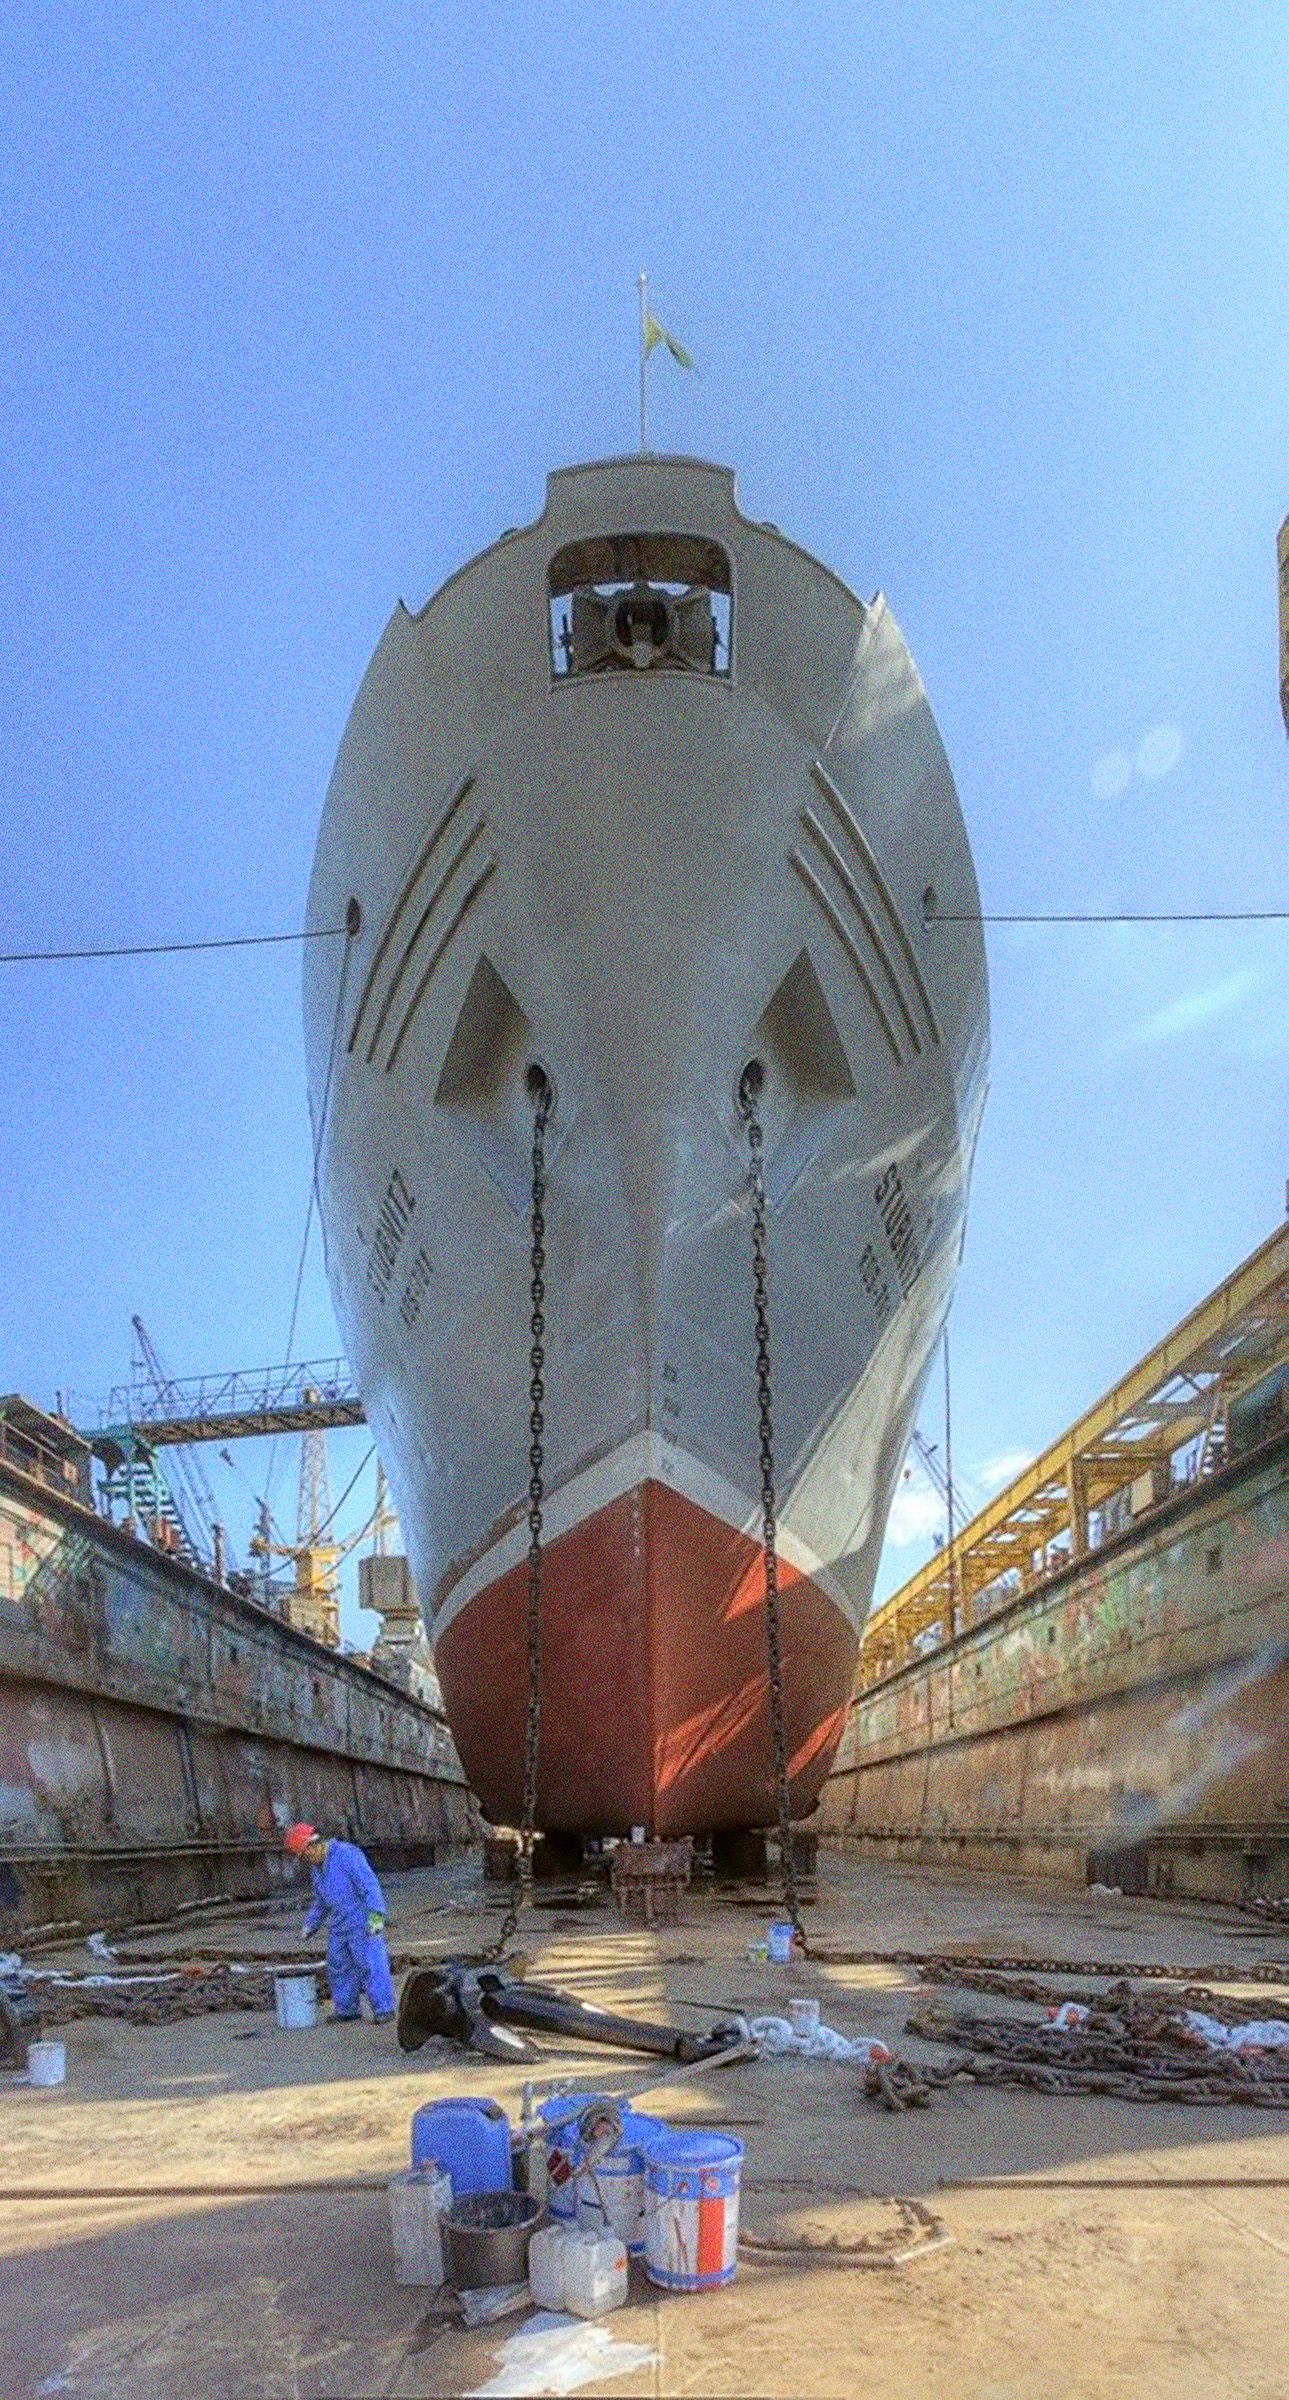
(749, 1093)
(542, 1098)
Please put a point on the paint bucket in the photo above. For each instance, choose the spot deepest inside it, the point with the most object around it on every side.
(803, 2016)
(418, 2199)
(295, 1998)
(563, 2152)
(691, 2210)
(778, 1946)
(46, 2063)
(610, 2196)
(469, 2139)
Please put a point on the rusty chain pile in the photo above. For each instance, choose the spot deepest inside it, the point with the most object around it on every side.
(1272, 1909)
(1131, 2046)
(1195, 1995)
(189, 1992)
(1188, 1994)
(947, 1966)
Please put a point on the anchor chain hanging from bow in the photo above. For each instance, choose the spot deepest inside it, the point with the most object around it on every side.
(749, 1093)
(542, 1097)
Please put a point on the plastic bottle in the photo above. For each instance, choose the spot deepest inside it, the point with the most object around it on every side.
(595, 2273)
(546, 2265)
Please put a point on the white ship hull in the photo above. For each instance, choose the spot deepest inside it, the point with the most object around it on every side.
(642, 867)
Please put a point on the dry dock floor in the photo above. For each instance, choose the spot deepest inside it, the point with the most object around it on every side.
(199, 2210)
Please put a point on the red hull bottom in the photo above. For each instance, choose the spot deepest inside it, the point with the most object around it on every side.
(655, 1705)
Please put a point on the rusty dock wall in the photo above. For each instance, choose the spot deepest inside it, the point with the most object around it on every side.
(1127, 1723)
(157, 1731)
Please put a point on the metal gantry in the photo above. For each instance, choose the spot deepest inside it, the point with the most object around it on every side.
(231, 1407)
(177, 1509)
(1162, 1425)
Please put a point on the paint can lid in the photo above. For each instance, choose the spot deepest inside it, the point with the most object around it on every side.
(694, 2150)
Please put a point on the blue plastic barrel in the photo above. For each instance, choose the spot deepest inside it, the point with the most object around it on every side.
(691, 2196)
(469, 2139)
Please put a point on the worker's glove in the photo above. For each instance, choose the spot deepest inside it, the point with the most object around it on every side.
(375, 1921)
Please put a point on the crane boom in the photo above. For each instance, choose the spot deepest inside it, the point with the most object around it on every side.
(202, 1505)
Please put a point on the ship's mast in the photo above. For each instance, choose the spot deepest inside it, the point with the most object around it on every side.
(644, 335)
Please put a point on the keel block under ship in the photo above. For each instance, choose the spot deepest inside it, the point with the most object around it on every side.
(643, 794)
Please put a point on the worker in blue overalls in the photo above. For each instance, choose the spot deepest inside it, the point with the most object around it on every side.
(347, 1894)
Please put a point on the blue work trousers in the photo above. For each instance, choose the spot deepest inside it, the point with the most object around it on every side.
(357, 1962)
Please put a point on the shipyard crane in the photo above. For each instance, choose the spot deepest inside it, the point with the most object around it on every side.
(195, 1502)
(312, 1601)
(928, 1458)
(166, 1412)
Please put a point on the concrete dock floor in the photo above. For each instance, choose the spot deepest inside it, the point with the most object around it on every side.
(200, 2208)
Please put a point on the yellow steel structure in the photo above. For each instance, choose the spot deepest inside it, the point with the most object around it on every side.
(1175, 1398)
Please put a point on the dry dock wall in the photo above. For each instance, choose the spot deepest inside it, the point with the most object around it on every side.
(157, 1731)
(1128, 1723)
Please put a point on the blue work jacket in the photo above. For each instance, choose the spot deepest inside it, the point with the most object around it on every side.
(344, 1889)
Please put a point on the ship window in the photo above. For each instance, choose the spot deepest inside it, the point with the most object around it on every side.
(632, 602)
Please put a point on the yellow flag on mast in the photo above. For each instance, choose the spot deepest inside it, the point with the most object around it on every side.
(655, 333)
(652, 332)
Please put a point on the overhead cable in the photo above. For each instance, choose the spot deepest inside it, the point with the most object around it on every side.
(1117, 916)
(231, 941)
(333, 1513)
(349, 930)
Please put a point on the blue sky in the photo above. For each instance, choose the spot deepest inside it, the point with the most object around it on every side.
(300, 305)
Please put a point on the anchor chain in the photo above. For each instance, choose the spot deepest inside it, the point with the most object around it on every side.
(749, 1092)
(542, 1097)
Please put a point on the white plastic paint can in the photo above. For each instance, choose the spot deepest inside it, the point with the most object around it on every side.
(46, 2063)
(595, 2273)
(803, 2015)
(546, 2265)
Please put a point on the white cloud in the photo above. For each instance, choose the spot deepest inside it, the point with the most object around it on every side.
(1002, 1469)
(1112, 774)
(1198, 1008)
(916, 1514)
(1160, 751)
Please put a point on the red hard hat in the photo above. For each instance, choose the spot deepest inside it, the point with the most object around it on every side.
(298, 1838)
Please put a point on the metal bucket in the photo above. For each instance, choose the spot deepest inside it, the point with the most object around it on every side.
(610, 2196)
(486, 2237)
(564, 2151)
(419, 2199)
(295, 1998)
(691, 2210)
